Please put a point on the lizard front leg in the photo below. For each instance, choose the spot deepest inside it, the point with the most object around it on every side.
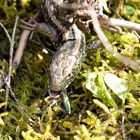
(43, 28)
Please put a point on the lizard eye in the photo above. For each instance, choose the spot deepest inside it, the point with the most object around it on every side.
(69, 75)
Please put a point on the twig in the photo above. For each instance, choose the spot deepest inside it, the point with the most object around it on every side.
(122, 126)
(137, 35)
(2, 79)
(10, 61)
(5, 30)
(105, 108)
(7, 80)
(100, 5)
(133, 64)
(124, 23)
(12, 95)
(22, 43)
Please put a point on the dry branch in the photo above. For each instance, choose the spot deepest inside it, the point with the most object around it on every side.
(8, 82)
(133, 64)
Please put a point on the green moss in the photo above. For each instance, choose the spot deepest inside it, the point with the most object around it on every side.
(88, 119)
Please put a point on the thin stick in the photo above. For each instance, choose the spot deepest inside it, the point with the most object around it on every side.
(12, 95)
(122, 126)
(10, 61)
(22, 44)
(105, 108)
(100, 5)
(124, 23)
(23, 41)
(21, 108)
(5, 30)
(2, 79)
(133, 64)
